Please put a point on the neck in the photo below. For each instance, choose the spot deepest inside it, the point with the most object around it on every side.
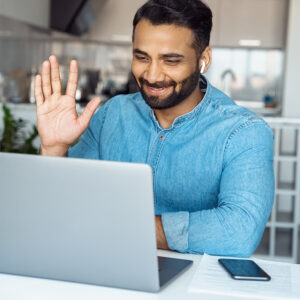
(166, 117)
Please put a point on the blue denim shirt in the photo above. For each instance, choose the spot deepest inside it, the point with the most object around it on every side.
(212, 169)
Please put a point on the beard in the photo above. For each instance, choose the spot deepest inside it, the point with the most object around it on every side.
(188, 85)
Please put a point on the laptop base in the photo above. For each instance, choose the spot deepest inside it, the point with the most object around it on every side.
(170, 268)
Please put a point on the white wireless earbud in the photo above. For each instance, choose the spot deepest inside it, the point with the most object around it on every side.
(202, 66)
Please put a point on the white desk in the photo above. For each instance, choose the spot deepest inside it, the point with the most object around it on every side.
(26, 288)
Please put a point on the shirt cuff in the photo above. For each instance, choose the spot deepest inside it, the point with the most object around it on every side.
(176, 226)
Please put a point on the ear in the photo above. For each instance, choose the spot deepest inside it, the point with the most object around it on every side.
(206, 58)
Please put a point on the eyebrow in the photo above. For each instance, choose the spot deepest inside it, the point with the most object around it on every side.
(138, 51)
(167, 55)
(171, 55)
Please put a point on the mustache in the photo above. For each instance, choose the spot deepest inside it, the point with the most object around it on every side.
(158, 84)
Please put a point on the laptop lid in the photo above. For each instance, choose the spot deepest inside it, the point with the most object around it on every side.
(78, 220)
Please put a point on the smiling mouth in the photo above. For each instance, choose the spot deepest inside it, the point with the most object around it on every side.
(157, 91)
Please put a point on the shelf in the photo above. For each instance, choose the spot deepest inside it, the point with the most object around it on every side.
(264, 245)
(284, 242)
(285, 192)
(285, 217)
(282, 225)
(289, 141)
(291, 158)
(286, 186)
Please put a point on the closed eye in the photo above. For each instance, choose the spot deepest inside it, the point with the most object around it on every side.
(140, 57)
(172, 61)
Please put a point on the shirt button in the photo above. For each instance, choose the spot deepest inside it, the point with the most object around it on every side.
(161, 137)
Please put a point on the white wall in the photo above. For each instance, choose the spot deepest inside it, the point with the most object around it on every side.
(36, 12)
(291, 98)
(114, 19)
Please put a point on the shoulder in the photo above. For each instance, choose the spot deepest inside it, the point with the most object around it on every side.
(238, 129)
(233, 117)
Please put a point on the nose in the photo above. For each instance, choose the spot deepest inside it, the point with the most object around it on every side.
(153, 72)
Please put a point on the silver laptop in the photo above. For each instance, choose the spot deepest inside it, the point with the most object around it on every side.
(81, 220)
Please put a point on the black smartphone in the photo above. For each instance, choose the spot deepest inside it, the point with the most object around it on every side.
(244, 269)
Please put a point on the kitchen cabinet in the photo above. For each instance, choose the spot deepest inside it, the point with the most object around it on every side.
(113, 20)
(34, 12)
(249, 23)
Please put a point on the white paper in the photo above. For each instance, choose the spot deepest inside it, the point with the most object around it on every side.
(211, 277)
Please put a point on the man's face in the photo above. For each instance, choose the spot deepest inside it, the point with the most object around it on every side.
(164, 63)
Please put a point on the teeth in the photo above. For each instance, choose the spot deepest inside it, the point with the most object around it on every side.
(158, 89)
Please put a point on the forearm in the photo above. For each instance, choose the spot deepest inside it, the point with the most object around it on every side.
(235, 226)
(160, 234)
(231, 230)
(227, 230)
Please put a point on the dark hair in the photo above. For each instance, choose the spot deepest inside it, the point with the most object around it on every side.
(193, 14)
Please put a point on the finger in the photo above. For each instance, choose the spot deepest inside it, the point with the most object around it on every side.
(55, 77)
(46, 81)
(73, 79)
(38, 93)
(88, 112)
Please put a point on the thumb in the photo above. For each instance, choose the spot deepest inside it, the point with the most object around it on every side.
(88, 112)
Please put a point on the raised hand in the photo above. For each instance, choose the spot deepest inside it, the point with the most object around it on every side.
(59, 125)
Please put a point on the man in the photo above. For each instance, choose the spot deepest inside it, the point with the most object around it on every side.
(211, 159)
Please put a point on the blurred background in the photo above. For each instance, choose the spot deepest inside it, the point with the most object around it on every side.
(256, 46)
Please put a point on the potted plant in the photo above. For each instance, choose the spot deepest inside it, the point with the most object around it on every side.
(14, 138)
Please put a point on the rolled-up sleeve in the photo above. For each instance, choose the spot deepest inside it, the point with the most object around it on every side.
(245, 199)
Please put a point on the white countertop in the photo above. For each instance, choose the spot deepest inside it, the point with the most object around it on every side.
(27, 288)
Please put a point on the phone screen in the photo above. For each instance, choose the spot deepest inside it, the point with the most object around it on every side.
(244, 269)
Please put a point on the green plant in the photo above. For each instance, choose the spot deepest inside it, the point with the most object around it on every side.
(14, 137)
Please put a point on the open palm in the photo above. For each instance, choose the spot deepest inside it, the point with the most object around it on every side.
(59, 125)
